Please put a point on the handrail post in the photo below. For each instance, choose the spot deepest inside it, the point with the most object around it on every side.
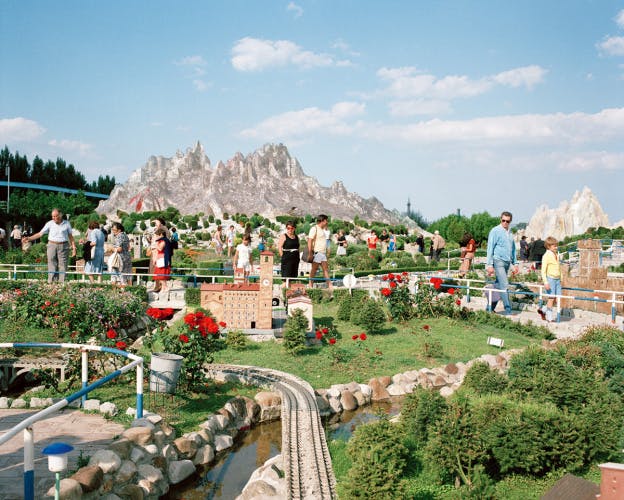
(558, 308)
(468, 291)
(613, 307)
(29, 464)
(84, 354)
(139, 389)
(489, 304)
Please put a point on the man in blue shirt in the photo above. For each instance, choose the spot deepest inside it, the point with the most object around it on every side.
(501, 255)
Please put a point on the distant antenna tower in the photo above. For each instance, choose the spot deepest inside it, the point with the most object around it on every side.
(409, 208)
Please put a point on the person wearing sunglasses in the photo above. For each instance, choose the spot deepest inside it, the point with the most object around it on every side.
(501, 255)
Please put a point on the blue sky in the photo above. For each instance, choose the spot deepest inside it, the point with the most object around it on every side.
(469, 104)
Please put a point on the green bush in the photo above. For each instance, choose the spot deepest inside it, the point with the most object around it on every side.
(192, 296)
(315, 294)
(295, 330)
(483, 380)
(237, 340)
(372, 317)
(344, 308)
(379, 458)
(420, 412)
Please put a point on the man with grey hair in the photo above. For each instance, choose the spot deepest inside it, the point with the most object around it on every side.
(60, 238)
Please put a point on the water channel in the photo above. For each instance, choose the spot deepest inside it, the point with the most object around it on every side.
(226, 478)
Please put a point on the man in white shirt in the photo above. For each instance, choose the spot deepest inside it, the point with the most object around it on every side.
(317, 246)
(60, 238)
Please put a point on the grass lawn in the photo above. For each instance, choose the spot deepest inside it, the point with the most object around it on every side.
(396, 349)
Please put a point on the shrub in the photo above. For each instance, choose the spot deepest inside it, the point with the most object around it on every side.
(192, 296)
(344, 308)
(397, 296)
(372, 317)
(379, 458)
(236, 340)
(315, 294)
(295, 332)
(483, 380)
(420, 411)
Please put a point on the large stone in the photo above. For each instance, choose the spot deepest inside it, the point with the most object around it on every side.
(41, 402)
(107, 460)
(265, 399)
(126, 472)
(142, 422)
(396, 390)
(4, 401)
(223, 441)
(139, 435)
(335, 405)
(186, 447)
(90, 478)
(385, 380)
(169, 452)
(18, 403)
(204, 455)
(180, 470)
(92, 405)
(150, 473)
(348, 402)
(379, 392)
(121, 447)
(70, 489)
(132, 492)
(109, 409)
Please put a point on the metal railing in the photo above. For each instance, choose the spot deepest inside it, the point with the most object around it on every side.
(26, 425)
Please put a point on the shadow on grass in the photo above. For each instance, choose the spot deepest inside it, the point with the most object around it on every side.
(386, 331)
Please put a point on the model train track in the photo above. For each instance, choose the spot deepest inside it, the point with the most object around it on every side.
(307, 463)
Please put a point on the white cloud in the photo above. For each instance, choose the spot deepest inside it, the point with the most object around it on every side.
(297, 9)
(307, 121)
(612, 46)
(619, 19)
(419, 107)
(253, 54)
(588, 161)
(572, 128)
(408, 82)
(527, 76)
(200, 85)
(82, 148)
(191, 61)
(19, 129)
(343, 46)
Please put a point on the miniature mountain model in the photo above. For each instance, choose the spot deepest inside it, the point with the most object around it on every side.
(268, 181)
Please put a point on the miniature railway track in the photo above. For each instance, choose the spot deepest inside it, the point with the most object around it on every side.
(307, 463)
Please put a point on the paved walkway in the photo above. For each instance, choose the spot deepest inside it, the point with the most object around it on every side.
(569, 326)
(85, 432)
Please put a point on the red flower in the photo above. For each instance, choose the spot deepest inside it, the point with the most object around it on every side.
(319, 335)
(398, 278)
(355, 337)
(390, 276)
(47, 303)
(189, 319)
(222, 324)
(71, 306)
(426, 328)
(405, 274)
(199, 315)
(184, 339)
(451, 291)
(458, 302)
(386, 292)
(325, 331)
(332, 341)
(111, 334)
(384, 277)
(120, 344)
(393, 284)
(362, 336)
(437, 285)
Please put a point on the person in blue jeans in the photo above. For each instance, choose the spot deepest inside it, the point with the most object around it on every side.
(501, 255)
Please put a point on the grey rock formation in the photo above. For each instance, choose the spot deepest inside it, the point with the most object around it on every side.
(571, 217)
(268, 181)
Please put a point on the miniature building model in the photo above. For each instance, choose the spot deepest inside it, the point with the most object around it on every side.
(245, 306)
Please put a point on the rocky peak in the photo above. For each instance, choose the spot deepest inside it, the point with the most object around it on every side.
(571, 217)
(268, 181)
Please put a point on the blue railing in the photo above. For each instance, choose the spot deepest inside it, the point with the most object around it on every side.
(26, 425)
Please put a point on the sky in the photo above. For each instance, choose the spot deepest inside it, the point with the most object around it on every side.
(476, 105)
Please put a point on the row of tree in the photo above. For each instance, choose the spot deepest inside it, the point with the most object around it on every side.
(50, 173)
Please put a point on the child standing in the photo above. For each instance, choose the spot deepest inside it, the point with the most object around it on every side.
(551, 276)
(242, 258)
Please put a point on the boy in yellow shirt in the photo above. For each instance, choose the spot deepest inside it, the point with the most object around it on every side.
(551, 276)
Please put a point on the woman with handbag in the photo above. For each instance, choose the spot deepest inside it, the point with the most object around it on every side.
(288, 248)
(120, 263)
(162, 260)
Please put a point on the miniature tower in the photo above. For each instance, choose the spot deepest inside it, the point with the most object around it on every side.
(265, 295)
